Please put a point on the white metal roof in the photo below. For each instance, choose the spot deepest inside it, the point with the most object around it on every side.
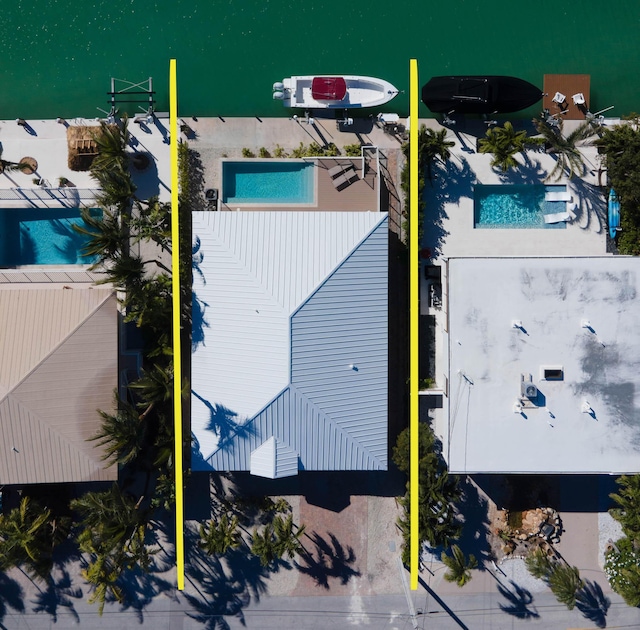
(255, 278)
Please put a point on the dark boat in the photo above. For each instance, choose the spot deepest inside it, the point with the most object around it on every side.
(479, 95)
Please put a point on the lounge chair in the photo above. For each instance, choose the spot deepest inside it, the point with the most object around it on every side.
(340, 182)
(345, 179)
(337, 170)
(558, 217)
(578, 99)
(559, 98)
(558, 196)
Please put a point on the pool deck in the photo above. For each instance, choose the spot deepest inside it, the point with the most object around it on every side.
(46, 141)
(449, 226)
(450, 212)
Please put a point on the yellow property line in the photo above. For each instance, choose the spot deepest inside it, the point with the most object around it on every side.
(414, 278)
(175, 300)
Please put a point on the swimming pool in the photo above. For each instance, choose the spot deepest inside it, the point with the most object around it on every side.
(41, 236)
(268, 182)
(516, 206)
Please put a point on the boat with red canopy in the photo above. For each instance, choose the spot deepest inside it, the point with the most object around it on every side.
(333, 92)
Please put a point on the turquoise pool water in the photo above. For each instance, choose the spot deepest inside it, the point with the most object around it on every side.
(269, 181)
(516, 206)
(41, 236)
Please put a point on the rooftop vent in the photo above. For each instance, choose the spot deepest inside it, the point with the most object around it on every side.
(552, 372)
(528, 389)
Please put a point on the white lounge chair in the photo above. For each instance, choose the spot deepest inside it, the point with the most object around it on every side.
(559, 98)
(558, 217)
(558, 196)
(578, 99)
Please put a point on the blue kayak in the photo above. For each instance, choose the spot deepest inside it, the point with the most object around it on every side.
(614, 213)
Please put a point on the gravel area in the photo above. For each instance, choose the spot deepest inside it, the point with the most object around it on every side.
(608, 530)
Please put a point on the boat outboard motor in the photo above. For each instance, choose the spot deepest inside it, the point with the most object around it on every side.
(278, 86)
(278, 96)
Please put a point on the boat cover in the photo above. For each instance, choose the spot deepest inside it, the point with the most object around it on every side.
(479, 94)
(328, 88)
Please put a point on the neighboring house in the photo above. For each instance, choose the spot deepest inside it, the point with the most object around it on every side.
(542, 365)
(58, 367)
(290, 342)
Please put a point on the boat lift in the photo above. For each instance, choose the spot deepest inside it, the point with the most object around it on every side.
(121, 89)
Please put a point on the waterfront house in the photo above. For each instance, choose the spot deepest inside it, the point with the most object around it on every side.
(290, 351)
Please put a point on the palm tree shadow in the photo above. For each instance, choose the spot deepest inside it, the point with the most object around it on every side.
(198, 306)
(593, 603)
(328, 560)
(139, 589)
(454, 182)
(519, 601)
(11, 596)
(58, 593)
(71, 242)
(475, 530)
(223, 588)
(529, 173)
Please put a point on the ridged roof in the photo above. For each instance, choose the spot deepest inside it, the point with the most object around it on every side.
(58, 366)
(293, 303)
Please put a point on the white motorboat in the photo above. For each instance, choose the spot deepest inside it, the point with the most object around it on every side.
(333, 92)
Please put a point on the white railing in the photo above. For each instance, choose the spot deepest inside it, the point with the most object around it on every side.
(65, 193)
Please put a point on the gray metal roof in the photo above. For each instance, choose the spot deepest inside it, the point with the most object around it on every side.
(58, 366)
(327, 401)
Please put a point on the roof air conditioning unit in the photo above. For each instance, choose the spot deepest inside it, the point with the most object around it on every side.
(528, 389)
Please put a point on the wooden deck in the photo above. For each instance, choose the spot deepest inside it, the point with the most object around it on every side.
(567, 84)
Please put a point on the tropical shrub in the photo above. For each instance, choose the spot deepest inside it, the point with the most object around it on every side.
(353, 150)
(621, 148)
(438, 524)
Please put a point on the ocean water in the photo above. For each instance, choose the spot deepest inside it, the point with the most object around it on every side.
(58, 55)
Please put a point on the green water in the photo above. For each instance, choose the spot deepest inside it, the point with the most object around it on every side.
(57, 56)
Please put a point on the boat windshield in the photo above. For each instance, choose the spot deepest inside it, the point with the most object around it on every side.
(328, 88)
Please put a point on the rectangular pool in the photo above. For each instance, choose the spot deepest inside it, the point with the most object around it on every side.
(516, 206)
(41, 236)
(268, 182)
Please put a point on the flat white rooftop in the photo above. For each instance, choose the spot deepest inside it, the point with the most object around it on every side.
(513, 318)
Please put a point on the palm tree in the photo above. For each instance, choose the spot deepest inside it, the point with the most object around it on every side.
(107, 237)
(218, 537)
(287, 539)
(263, 545)
(570, 159)
(28, 535)
(8, 167)
(459, 568)
(565, 582)
(539, 564)
(111, 141)
(113, 531)
(108, 519)
(431, 145)
(503, 143)
(122, 435)
(151, 220)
